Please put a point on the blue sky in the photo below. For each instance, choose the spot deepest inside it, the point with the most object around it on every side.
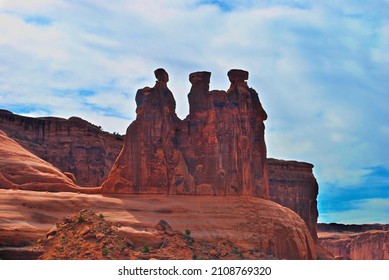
(321, 69)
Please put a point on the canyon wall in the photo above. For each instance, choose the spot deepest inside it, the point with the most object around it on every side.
(293, 185)
(72, 145)
(20, 169)
(355, 242)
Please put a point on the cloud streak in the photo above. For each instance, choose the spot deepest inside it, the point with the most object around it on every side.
(321, 69)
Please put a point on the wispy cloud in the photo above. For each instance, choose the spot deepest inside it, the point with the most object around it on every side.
(321, 69)
(359, 212)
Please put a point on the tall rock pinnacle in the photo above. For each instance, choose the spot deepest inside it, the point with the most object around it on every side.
(219, 149)
(148, 159)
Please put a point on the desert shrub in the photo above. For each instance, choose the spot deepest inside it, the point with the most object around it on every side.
(145, 249)
(104, 252)
(81, 219)
(187, 232)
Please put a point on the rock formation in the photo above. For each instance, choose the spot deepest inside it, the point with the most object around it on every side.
(20, 169)
(219, 149)
(149, 156)
(168, 155)
(355, 242)
(74, 145)
(293, 185)
(222, 138)
(177, 157)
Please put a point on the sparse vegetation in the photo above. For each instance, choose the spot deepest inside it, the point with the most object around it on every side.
(81, 219)
(187, 232)
(122, 248)
(145, 249)
(101, 216)
(104, 252)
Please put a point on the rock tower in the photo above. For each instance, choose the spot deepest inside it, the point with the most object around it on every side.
(218, 149)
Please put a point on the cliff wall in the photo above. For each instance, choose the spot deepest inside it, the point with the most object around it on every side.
(355, 242)
(72, 145)
(293, 185)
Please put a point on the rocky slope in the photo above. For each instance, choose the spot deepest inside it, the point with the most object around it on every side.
(245, 227)
(355, 242)
(74, 145)
(20, 169)
(88, 236)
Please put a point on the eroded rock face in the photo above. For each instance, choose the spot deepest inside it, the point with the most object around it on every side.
(20, 169)
(222, 139)
(74, 146)
(369, 245)
(293, 185)
(219, 149)
(355, 242)
(149, 156)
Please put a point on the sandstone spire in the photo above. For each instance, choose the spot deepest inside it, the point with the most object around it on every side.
(148, 159)
(219, 149)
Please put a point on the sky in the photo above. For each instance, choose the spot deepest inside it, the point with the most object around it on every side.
(321, 69)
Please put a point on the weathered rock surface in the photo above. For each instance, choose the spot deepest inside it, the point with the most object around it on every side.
(219, 149)
(355, 242)
(149, 156)
(75, 146)
(245, 227)
(222, 139)
(20, 169)
(293, 185)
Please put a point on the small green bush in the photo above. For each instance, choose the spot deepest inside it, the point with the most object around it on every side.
(187, 231)
(81, 219)
(101, 216)
(145, 249)
(104, 252)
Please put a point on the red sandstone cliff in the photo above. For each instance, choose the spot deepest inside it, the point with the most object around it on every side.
(293, 185)
(355, 242)
(20, 169)
(74, 145)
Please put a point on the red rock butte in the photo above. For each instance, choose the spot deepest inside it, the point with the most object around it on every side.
(218, 149)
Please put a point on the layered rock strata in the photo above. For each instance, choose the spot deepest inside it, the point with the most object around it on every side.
(293, 185)
(355, 242)
(219, 149)
(20, 169)
(368, 245)
(73, 145)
